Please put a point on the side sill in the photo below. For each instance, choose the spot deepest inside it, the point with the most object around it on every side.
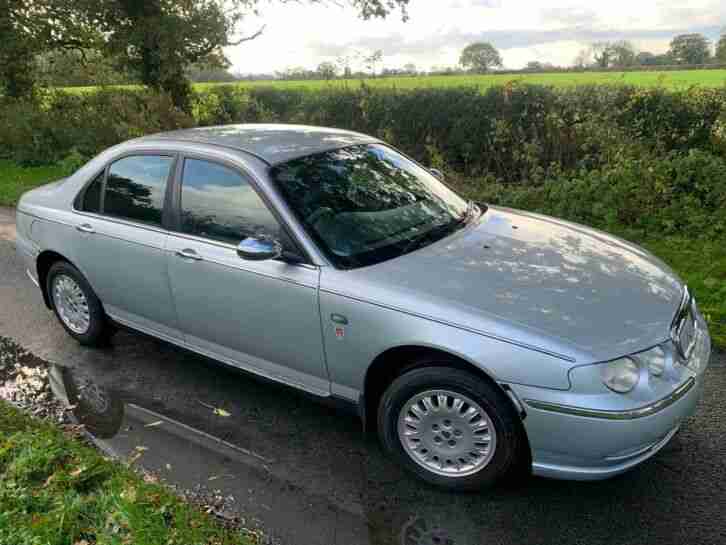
(227, 361)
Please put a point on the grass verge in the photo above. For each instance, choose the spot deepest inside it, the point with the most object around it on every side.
(57, 491)
(15, 180)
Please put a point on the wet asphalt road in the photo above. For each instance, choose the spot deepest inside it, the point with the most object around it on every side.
(307, 475)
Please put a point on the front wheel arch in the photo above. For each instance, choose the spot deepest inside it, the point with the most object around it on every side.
(392, 363)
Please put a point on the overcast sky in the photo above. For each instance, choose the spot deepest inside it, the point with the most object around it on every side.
(523, 30)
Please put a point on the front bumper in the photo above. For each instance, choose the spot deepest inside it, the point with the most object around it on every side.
(584, 443)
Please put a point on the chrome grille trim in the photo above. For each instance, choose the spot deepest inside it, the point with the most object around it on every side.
(680, 321)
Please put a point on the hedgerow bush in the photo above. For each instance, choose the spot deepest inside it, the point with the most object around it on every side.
(646, 159)
(54, 126)
(680, 194)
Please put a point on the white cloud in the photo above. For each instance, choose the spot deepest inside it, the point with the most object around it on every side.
(523, 30)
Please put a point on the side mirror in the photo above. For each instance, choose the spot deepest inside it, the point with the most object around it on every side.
(437, 174)
(259, 248)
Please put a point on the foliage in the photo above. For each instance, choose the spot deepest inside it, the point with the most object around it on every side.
(31, 27)
(690, 49)
(71, 68)
(48, 130)
(480, 57)
(721, 49)
(56, 491)
(157, 40)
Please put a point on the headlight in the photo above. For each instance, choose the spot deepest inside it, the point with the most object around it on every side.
(655, 359)
(621, 375)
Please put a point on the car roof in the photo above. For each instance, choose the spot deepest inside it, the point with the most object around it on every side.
(273, 143)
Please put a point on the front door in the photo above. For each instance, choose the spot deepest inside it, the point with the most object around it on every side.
(262, 316)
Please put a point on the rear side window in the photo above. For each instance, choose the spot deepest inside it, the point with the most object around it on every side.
(219, 204)
(136, 186)
(92, 196)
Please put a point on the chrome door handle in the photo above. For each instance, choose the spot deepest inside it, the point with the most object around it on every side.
(85, 228)
(188, 254)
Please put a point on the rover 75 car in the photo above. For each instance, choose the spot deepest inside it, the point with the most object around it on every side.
(475, 340)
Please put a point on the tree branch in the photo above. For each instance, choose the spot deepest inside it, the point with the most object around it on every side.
(250, 37)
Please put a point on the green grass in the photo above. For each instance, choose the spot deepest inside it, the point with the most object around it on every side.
(702, 265)
(54, 490)
(15, 180)
(673, 79)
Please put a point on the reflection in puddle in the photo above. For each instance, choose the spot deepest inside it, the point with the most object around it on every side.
(196, 459)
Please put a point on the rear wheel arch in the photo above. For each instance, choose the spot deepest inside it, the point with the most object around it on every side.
(43, 264)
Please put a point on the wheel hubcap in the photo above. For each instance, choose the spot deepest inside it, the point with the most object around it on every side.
(71, 303)
(447, 433)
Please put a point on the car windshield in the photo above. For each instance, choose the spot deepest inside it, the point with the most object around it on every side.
(365, 204)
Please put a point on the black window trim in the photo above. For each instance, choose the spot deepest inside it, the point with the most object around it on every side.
(165, 219)
(175, 205)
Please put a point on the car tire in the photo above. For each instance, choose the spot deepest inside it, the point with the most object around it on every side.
(446, 435)
(86, 320)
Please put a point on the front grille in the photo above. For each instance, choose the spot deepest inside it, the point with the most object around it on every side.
(687, 334)
(683, 328)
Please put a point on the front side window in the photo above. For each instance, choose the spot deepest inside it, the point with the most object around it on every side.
(218, 203)
(367, 203)
(136, 186)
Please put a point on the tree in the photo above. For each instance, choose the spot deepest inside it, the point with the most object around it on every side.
(582, 60)
(410, 68)
(155, 39)
(602, 53)
(721, 49)
(327, 70)
(29, 28)
(373, 60)
(690, 49)
(480, 57)
(63, 68)
(622, 54)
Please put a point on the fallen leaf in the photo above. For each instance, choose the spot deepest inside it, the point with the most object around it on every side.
(222, 412)
(154, 424)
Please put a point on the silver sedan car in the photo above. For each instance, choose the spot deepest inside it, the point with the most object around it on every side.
(476, 340)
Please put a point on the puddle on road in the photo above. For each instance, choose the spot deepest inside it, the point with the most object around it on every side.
(303, 473)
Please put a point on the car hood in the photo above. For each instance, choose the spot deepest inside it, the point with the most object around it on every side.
(540, 281)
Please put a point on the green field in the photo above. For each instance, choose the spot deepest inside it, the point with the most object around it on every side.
(673, 79)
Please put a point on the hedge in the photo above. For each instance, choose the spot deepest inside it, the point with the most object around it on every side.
(647, 159)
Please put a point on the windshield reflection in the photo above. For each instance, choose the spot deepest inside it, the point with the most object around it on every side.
(365, 204)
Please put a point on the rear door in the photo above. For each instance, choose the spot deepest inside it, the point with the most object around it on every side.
(262, 316)
(120, 240)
